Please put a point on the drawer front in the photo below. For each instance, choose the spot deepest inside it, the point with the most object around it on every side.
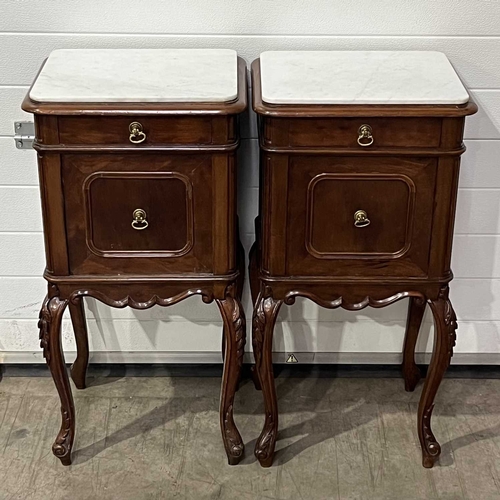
(138, 215)
(367, 216)
(143, 131)
(363, 133)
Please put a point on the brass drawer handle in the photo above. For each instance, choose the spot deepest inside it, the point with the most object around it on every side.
(361, 219)
(139, 221)
(365, 137)
(136, 133)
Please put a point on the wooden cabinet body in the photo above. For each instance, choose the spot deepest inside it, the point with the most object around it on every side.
(139, 217)
(319, 172)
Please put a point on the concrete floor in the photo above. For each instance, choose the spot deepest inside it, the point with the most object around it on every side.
(159, 438)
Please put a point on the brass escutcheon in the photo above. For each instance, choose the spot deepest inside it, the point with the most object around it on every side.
(365, 137)
(139, 221)
(361, 219)
(136, 133)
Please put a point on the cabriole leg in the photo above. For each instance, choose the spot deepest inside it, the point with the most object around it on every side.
(264, 317)
(235, 336)
(79, 367)
(50, 340)
(253, 275)
(240, 263)
(445, 323)
(411, 373)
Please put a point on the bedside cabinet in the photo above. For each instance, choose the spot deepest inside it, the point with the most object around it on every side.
(360, 155)
(137, 152)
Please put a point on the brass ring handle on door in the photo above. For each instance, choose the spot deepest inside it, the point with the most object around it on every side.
(365, 137)
(361, 219)
(136, 133)
(139, 221)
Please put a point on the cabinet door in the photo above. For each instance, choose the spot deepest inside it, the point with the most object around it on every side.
(351, 216)
(138, 214)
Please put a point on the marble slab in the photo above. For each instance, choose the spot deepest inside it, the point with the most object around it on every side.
(348, 77)
(138, 75)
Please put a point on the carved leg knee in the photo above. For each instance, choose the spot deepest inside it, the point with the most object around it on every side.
(234, 335)
(50, 340)
(444, 341)
(264, 317)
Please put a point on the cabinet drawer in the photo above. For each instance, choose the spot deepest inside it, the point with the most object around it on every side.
(369, 216)
(130, 214)
(345, 132)
(148, 131)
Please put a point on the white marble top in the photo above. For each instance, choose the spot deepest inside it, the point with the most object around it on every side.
(138, 75)
(348, 77)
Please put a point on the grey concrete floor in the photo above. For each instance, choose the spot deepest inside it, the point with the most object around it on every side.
(159, 438)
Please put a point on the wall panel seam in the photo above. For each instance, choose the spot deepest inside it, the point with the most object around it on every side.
(242, 35)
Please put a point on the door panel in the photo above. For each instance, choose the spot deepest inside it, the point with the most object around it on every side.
(164, 226)
(102, 196)
(384, 228)
(393, 239)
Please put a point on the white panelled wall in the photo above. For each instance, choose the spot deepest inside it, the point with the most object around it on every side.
(467, 31)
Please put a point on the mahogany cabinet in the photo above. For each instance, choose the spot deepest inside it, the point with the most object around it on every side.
(137, 165)
(360, 155)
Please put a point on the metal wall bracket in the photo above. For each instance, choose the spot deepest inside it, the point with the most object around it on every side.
(24, 134)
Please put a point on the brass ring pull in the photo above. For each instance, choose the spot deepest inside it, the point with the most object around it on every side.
(361, 219)
(136, 133)
(365, 137)
(139, 221)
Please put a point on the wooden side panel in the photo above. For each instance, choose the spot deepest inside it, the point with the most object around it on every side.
(224, 213)
(53, 213)
(47, 129)
(274, 214)
(452, 132)
(276, 131)
(445, 199)
(51, 192)
(223, 130)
